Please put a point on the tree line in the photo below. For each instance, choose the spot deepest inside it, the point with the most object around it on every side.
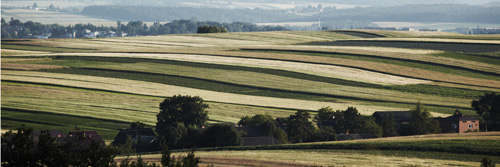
(17, 29)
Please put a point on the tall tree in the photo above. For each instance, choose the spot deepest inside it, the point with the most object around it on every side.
(187, 110)
(219, 135)
(324, 114)
(388, 125)
(299, 128)
(488, 106)
(422, 122)
(266, 124)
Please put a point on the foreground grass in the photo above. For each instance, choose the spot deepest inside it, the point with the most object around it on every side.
(317, 158)
(457, 147)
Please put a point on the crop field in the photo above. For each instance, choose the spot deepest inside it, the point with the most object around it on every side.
(104, 84)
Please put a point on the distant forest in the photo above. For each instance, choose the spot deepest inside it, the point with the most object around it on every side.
(406, 13)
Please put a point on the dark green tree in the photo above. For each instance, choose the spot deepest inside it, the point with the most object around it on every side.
(48, 151)
(18, 148)
(299, 128)
(220, 135)
(348, 121)
(422, 122)
(488, 107)
(266, 124)
(190, 111)
(388, 125)
(173, 134)
(136, 125)
(486, 162)
(324, 114)
(368, 125)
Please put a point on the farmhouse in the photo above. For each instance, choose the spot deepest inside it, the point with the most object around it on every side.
(59, 136)
(89, 136)
(458, 123)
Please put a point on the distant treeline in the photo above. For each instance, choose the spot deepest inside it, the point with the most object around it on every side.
(17, 29)
(406, 13)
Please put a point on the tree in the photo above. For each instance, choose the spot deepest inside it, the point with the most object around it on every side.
(136, 125)
(388, 125)
(190, 111)
(266, 124)
(173, 134)
(220, 135)
(324, 114)
(18, 148)
(348, 121)
(488, 107)
(422, 123)
(486, 162)
(299, 129)
(35, 5)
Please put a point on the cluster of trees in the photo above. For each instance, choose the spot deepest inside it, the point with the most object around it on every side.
(348, 121)
(180, 120)
(17, 29)
(488, 107)
(210, 29)
(20, 149)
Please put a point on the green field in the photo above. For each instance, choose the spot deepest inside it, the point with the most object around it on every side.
(104, 84)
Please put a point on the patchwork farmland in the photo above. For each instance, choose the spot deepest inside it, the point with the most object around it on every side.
(104, 84)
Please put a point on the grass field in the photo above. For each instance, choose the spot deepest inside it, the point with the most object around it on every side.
(425, 150)
(104, 84)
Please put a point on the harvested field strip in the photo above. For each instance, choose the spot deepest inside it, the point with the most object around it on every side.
(204, 70)
(198, 83)
(324, 158)
(364, 65)
(119, 41)
(483, 58)
(445, 46)
(467, 147)
(45, 120)
(360, 34)
(480, 63)
(305, 67)
(435, 40)
(44, 48)
(441, 68)
(11, 52)
(453, 66)
(16, 66)
(141, 108)
(161, 90)
(264, 85)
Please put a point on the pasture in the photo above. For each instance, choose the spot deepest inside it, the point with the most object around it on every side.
(104, 84)
(423, 150)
